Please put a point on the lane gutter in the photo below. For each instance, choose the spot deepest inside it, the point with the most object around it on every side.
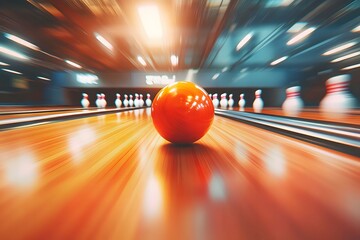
(341, 138)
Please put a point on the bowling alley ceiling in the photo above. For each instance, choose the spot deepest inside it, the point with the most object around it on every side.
(229, 35)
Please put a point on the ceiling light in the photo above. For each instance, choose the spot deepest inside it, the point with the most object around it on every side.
(21, 41)
(224, 69)
(43, 78)
(339, 48)
(297, 27)
(244, 41)
(215, 76)
(11, 71)
(174, 60)
(4, 64)
(300, 36)
(356, 29)
(351, 67)
(346, 57)
(277, 61)
(104, 41)
(150, 19)
(73, 64)
(141, 60)
(278, 3)
(13, 53)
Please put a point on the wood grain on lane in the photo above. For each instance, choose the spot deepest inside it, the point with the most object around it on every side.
(114, 177)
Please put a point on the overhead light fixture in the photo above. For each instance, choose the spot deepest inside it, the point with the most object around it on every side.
(244, 41)
(339, 48)
(141, 60)
(11, 71)
(356, 29)
(297, 27)
(150, 19)
(103, 41)
(43, 78)
(277, 61)
(174, 60)
(21, 41)
(73, 64)
(346, 57)
(13, 53)
(278, 3)
(4, 64)
(300, 36)
(215, 76)
(224, 69)
(351, 67)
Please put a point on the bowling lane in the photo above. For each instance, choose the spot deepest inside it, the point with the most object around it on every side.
(114, 177)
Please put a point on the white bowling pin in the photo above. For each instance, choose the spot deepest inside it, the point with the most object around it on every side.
(98, 101)
(223, 101)
(293, 104)
(148, 100)
(85, 101)
(103, 101)
(141, 101)
(337, 98)
(210, 96)
(231, 101)
(215, 100)
(131, 101)
(118, 101)
(136, 101)
(258, 103)
(242, 102)
(126, 101)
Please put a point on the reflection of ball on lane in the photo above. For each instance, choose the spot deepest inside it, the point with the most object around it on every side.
(182, 112)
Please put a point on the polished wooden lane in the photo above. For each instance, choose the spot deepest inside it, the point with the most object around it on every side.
(352, 117)
(114, 177)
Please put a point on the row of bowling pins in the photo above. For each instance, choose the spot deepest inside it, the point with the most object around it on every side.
(337, 99)
(129, 101)
(258, 103)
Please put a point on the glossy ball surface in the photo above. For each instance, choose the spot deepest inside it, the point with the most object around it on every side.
(182, 112)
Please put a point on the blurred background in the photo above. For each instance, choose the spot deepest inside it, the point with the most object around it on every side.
(52, 51)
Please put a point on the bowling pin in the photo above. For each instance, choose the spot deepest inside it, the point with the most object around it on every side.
(126, 101)
(103, 101)
(337, 98)
(223, 101)
(141, 101)
(118, 101)
(136, 101)
(215, 100)
(231, 101)
(85, 101)
(131, 101)
(98, 101)
(258, 103)
(293, 104)
(242, 102)
(210, 96)
(148, 100)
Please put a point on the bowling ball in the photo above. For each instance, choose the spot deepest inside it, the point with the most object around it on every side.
(182, 112)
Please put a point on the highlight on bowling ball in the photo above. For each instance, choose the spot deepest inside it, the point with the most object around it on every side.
(182, 112)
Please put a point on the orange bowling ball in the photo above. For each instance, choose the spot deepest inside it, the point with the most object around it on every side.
(182, 112)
